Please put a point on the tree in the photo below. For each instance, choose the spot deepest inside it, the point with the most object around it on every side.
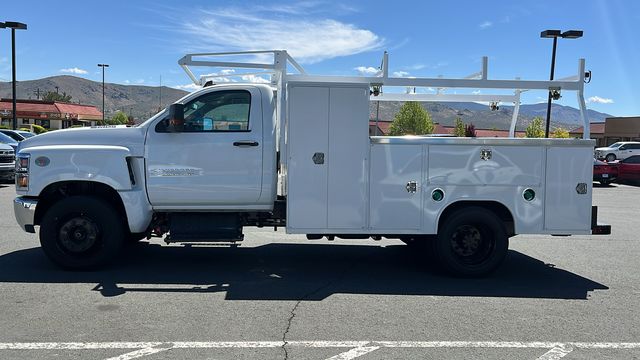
(535, 128)
(458, 128)
(54, 96)
(470, 130)
(119, 118)
(412, 119)
(560, 133)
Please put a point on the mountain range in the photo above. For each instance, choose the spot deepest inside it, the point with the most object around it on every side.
(137, 100)
(143, 101)
(482, 117)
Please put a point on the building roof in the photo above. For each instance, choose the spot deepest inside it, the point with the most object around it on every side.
(51, 109)
(448, 130)
(83, 111)
(594, 128)
(21, 105)
(382, 125)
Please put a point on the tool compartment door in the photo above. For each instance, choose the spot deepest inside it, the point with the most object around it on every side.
(327, 147)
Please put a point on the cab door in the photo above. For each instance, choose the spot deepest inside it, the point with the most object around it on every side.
(215, 160)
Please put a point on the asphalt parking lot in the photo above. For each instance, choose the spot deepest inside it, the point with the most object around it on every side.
(280, 296)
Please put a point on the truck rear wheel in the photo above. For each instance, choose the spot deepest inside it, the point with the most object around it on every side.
(81, 232)
(471, 242)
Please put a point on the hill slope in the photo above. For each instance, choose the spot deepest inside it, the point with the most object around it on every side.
(141, 101)
(483, 118)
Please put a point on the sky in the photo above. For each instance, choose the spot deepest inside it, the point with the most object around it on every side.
(142, 40)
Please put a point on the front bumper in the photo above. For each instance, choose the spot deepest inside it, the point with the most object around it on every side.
(25, 210)
(7, 172)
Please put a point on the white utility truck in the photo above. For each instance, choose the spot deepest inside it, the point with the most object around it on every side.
(297, 153)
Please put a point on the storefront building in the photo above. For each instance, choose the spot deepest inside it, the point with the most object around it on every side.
(51, 115)
(614, 129)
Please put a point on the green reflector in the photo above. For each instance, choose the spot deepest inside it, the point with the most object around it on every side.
(529, 194)
(437, 195)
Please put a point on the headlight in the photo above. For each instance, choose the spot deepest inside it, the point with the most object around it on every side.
(22, 171)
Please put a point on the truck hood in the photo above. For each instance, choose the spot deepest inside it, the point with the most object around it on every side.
(606, 149)
(121, 135)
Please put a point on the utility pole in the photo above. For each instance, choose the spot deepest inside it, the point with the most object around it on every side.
(160, 99)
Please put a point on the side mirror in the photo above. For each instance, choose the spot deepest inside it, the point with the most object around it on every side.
(176, 118)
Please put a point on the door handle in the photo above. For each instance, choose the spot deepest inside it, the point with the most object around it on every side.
(245, 143)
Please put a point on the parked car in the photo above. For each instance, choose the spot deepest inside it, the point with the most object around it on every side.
(629, 169)
(5, 139)
(604, 172)
(17, 135)
(7, 162)
(618, 151)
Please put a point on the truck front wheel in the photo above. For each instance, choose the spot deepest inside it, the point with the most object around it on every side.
(81, 232)
(471, 242)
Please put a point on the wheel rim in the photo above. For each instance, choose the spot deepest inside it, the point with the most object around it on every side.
(471, 244)
(78, 235)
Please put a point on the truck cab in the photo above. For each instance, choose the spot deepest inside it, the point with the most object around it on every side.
(221, 156)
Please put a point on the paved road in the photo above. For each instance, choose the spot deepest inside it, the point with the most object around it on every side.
(570, 298)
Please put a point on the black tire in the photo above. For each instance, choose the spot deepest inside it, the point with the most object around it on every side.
(610, 157)
(81, 233)
(472, 242)
(605, 182)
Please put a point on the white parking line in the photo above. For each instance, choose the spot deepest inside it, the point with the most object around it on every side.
(354, 353)
(556, 350)
(556, 353)
(138, 353)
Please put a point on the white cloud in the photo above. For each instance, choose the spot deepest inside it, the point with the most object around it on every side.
(140, 81)
(477, 92)
(416, 67)
(74, 70)
(127, 82)
(255, 79)
(400, 73)
(368, 70)
(188, 87)
(485, 25)
(227, 71)
(598, 99)
(307, 39)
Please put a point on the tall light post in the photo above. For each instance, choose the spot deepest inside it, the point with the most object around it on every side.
(103, 66)
(555, 34)
(14, 26)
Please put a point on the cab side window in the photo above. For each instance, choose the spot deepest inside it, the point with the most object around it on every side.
(219, 111)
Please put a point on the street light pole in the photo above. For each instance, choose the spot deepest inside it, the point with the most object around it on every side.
(13, 26)
(103, 66)
(555, 34)
(553, 68)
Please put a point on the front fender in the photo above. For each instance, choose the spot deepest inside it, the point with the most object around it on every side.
(106, 164)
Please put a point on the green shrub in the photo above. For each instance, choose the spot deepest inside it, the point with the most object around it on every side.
(39, 129)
